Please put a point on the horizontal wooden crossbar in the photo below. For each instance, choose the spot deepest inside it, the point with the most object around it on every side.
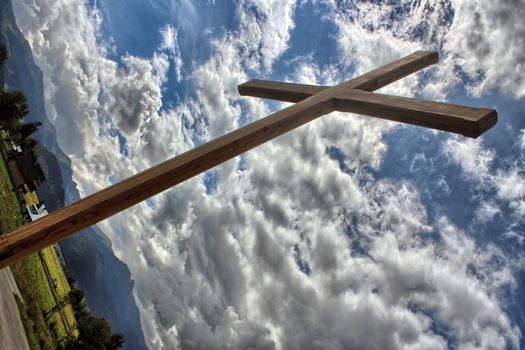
(467, 121)
(312, 102)
(355, 96)
(370, 81)
(101, 205)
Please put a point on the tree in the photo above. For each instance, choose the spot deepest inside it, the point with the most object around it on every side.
(13, 107)
(115, 342)
(70, 280)
(27, 129)
(94, 333)
(76, 296)
(29, 145)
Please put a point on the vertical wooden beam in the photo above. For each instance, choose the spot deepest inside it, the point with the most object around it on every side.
(314, 102)
(64, 222)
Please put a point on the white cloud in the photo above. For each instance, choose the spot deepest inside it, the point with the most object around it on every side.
(522, 139)
(265, 27)
(510, 185)
(482, 41)
(133, 94)
(492, 53)
(486, 212)
(370, 35)
(476, 163)
(289, 251)
(170, 43)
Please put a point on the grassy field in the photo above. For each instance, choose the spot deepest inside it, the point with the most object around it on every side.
(28, 323)
(44, 286)
(33, 285)
(40, 278)
(61, 287)
(10, 217)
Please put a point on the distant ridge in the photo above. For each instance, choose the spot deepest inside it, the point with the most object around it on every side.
(105, 279)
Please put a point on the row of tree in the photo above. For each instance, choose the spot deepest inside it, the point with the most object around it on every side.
(13, 109)
(94, 333)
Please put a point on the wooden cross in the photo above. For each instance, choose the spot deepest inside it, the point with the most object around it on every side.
(312, 102)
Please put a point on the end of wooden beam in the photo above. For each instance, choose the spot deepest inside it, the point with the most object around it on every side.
(432, 56)
(487, 121)
(467, 121)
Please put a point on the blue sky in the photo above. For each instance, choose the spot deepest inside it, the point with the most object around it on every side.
(349, 232)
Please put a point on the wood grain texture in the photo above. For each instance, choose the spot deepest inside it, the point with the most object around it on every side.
(355, 96)
(467, 121)
(391, 72)
(101, 205)
(277, 90)
(313, 101)
(370, 81)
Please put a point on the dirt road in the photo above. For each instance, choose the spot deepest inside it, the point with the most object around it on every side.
(12, 334)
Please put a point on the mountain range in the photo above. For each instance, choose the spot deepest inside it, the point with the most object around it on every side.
(105, 280)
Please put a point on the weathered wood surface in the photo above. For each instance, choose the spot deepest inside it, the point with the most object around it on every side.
(276, 90)
(101, 205)
(467, 121)
(355, 96)
(370, 81)
(314, 102)
(389, 73)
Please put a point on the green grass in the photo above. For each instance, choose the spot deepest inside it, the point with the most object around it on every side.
(35, 276)
(33, 285)
(30, 275)
(28, 323)
(56, 272)
(10, 215)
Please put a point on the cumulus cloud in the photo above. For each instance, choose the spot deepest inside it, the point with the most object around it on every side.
(370, 35)
(133, 93)
(491, 52)
(480, 43)
(292, 249)
(477, 164)
(475, 160)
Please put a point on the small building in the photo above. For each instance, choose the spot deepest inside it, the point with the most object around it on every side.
(36, 211)
(26, 173)
(16, 148)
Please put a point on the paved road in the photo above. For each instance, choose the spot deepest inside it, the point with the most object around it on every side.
(12, 334)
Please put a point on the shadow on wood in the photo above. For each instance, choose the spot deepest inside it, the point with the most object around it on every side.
(312, 102)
